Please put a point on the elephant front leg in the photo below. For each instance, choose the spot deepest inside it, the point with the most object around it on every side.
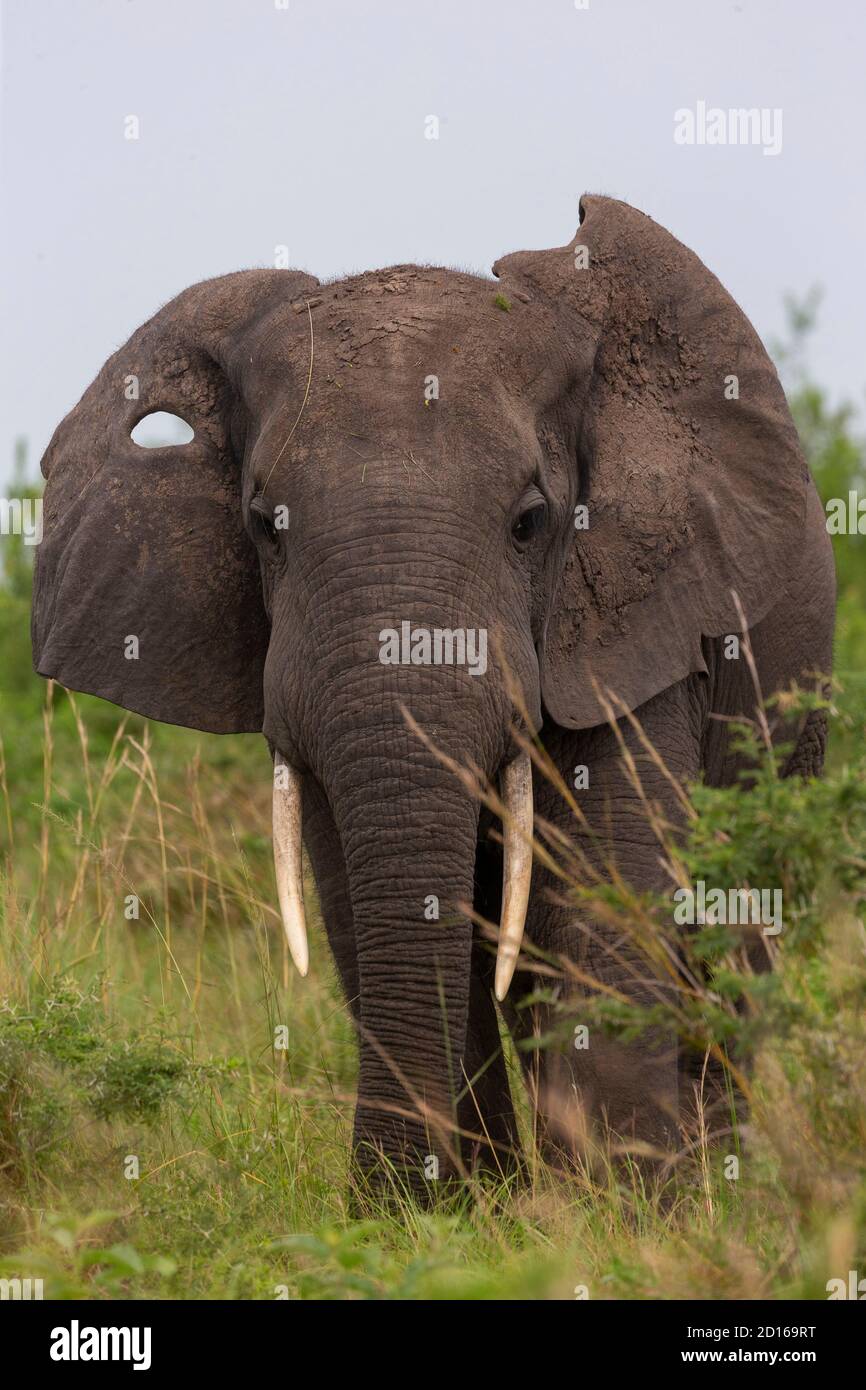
(592, 1088)
(598, 1096)
(488, 1125)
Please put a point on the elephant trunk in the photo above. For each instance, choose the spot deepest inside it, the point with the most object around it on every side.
(409, 843)
(409, 846)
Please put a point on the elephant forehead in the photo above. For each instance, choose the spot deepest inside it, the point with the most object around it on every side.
(356, 424)
(396, 328)
(433, 320)
(409, 365)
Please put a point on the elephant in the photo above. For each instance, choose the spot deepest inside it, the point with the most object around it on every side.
(590, 462)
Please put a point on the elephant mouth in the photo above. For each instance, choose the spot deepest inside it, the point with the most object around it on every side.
(515, 786)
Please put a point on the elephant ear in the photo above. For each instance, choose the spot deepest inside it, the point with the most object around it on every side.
(688, 463)
(147, 589)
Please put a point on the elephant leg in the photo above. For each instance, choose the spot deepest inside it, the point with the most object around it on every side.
(591, 1087)
(485, 1108)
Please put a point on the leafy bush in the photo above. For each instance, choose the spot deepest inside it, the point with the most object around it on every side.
(56, 1057)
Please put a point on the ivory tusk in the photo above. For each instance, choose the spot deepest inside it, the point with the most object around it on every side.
(516, 794)
(289, 861)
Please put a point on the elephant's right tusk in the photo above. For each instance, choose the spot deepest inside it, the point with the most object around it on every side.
(516, 791)
(288, 861)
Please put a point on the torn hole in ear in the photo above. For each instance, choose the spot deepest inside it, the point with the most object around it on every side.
(160, 429)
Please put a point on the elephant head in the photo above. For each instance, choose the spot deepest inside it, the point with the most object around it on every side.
(552, 485)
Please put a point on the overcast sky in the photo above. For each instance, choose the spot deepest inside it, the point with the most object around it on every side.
(305, 126)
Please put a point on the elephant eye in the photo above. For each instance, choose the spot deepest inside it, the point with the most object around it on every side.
(530, 520)
(262, 522)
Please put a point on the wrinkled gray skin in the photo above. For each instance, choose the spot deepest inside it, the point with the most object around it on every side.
(605, 384)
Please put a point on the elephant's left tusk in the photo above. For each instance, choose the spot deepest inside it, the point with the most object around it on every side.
(516, 792)
(288, 861)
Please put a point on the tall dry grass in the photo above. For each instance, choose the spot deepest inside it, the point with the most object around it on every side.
(152, 1038)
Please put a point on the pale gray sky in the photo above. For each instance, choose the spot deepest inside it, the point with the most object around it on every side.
(305, 126)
